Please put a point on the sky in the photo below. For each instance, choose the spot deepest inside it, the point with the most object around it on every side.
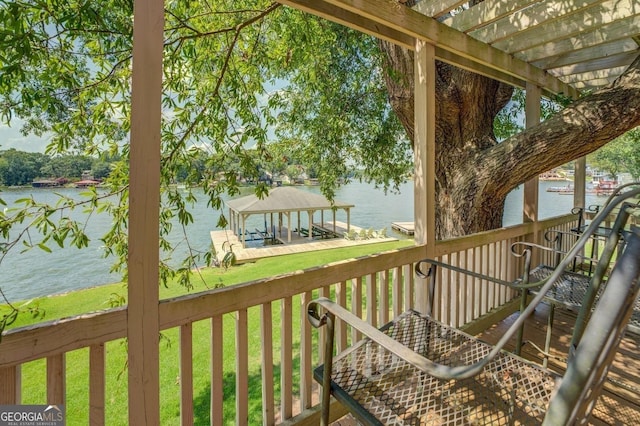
(10, 137)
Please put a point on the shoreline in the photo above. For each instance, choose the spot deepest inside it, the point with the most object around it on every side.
(96, 298)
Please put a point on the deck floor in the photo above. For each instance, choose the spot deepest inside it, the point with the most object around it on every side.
(620, 402)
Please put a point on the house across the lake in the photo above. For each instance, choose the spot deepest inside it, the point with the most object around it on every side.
(46, 183)
(86, 183)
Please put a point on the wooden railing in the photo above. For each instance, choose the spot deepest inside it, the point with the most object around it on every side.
(376, 287)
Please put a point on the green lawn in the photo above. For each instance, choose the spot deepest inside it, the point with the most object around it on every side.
(33, 382)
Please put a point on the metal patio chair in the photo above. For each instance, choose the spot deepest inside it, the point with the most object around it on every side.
(572, 289)
(419, 371)
(602, 233)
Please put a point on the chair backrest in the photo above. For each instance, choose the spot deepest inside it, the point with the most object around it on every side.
(602, 266)
(588, 364)
(621, 190)
(601, 320)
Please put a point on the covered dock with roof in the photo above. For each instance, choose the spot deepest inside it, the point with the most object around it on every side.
(284, 201)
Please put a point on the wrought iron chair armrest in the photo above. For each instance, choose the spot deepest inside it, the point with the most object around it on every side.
(592, 208)
(518, 285)
(552, 235)
(434, 369)
(526, 250)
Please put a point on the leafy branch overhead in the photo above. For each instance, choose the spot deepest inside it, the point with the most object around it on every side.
(235, 76)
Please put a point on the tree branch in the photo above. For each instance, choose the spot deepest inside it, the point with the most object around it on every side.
(581, 128)
(237, 30)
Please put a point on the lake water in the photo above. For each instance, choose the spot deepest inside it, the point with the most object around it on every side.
(37, 273)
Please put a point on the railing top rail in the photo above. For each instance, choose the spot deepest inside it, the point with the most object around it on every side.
(487, 237)
(33, 342)
(28, 343)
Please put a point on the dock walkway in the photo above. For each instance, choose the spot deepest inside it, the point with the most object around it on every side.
(299, 242)
(407, 228)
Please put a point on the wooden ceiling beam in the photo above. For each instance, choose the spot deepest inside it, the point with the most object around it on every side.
(586, 20)
(369, 14)
(598, 75)
(605, 50)
(599, 64)
(594, 84)
(484, 13)
(436, 9)
(469, 65)
(617, 30)
(529, 18)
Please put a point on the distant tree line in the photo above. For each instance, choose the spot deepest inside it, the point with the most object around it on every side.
(622, 155)
(202, 165)
(22, 168)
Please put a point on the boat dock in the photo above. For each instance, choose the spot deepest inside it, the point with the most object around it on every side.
(407, 228)
(300, 241)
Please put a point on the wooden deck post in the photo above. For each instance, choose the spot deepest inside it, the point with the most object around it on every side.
(579, 182)
(424, 158)
(144, 203)
(532, 118)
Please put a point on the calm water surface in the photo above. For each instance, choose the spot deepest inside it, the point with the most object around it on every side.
(37, 273)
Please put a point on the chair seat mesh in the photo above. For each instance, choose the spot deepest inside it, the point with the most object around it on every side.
(570, 290)
(509, 391)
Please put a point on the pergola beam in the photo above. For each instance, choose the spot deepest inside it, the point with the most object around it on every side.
(384, 19)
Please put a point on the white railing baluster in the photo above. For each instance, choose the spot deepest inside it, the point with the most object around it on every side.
(286, 360)
(356, 305)
(186, 374)
(242, 368)
(217, 373)
(407, 275)
(56, 376)
(372, 299)
(96, 384)
(306, 366)
(384, 297)
(341, 327)
(266, 335)
(396, 291)
(10, 385)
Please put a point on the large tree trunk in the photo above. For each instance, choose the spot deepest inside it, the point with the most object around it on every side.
(474, 173)
(466, 105)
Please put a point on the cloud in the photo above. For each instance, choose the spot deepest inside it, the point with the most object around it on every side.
(10, 137)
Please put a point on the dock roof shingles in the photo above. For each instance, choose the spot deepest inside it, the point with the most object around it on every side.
(284, 199)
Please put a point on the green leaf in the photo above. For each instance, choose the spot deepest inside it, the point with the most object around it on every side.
(44, 247)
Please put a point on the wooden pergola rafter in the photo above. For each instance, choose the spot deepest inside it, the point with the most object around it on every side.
(562, 47)
(547, 47)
